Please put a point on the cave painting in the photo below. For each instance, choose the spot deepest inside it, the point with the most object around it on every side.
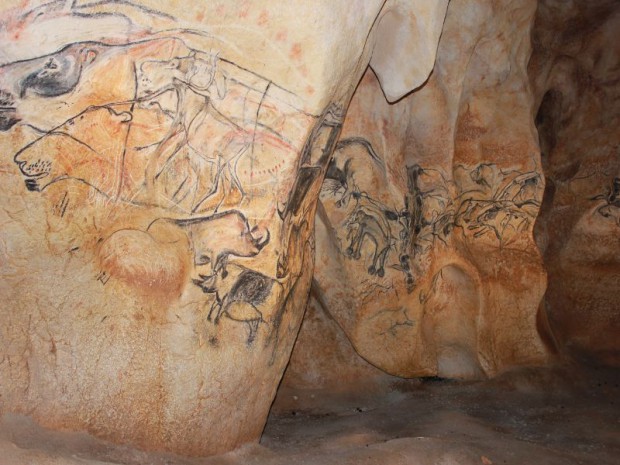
(610, 208)
(483, 201)
(238, 296)
(171, 159)
(161, 171)
(174, 138)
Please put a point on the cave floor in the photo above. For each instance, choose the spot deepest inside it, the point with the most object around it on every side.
(553, 416)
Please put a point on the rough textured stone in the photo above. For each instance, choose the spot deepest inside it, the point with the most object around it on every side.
(324, 360)
(162, 163)
(575, 70)
(425, 254)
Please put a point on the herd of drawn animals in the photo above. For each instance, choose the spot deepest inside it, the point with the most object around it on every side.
(488, 202)
(198, 119)
(190, 168)
(195, 124)
(171, 146)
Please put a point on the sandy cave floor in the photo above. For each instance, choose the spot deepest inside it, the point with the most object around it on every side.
(553, 416)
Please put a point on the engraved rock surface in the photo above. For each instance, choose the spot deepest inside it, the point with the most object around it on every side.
(177, 177)
(425, 253)
(161, 166)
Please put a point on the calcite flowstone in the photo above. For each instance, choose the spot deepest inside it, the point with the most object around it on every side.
(160, 171)
(425, 252)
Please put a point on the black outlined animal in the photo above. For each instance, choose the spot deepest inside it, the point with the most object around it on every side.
(182, 87)
(199, 121)
(41, 79)
(164, 255)
(611, 208)
(348, 153)
(522, 190)
(498, 202)
(86, 148)
(370, 221)
(349, 171)
(238, 296)
(216, 237)
(362, 226)
(58, 74)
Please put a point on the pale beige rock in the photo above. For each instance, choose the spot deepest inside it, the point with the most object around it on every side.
(162, 162)
(425, 254)
(323, 360)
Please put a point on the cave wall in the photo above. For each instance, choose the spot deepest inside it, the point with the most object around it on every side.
(425, 253)
(160, 219)
(160, 170)
(524, 93)
(575, 75)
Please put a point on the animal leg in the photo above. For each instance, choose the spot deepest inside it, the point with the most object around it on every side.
(381, 261)
(217, 315)
(353, 237)
(355, 247)
(253, 326)
(170, 144)
(214, 189)
(358, 244)
(232, 169)
(373, 268)
(220, 264)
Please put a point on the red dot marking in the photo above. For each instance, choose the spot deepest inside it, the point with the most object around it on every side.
(295, 51)
(263, 18)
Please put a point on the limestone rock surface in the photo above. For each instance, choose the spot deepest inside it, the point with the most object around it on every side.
(425, 251)
(575, 72)
(161, 163)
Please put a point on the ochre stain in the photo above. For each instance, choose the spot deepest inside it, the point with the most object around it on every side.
(243, 11)
(281, 35)
(295, 51)
(263, 18)
(200, 16)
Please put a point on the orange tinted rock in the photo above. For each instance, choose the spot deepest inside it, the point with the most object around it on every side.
(574, 71)
(425, 253)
